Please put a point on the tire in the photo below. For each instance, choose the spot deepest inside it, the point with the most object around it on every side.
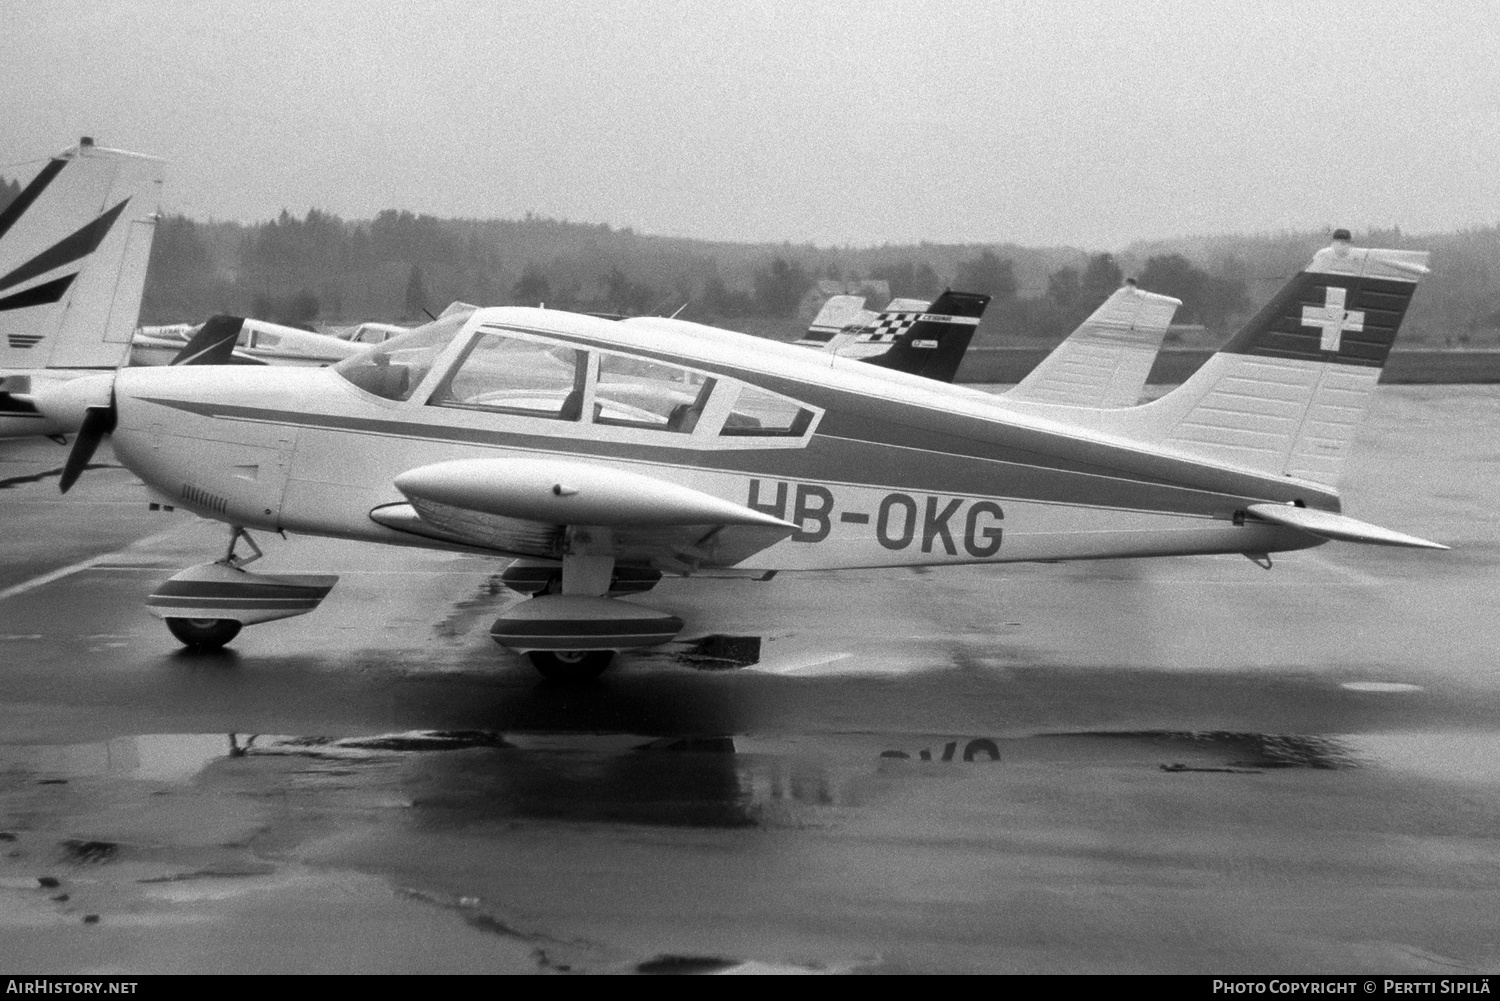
(571, 665)
(204, 634)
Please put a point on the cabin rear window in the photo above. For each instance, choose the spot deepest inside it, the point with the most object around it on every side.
(637, 393)
(758, 413)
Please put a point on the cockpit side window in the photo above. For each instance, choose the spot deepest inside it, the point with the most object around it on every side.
(395, 369)
(637, 393)
(507, 374)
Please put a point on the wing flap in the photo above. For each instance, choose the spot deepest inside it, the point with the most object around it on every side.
(1336, 526)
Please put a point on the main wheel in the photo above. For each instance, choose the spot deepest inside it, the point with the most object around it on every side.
(570, 665)
(204, 634)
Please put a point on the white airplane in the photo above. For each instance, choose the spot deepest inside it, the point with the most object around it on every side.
(605, 454)
(1103, 363)
(365, 334)
(74, 246)
(257, 342)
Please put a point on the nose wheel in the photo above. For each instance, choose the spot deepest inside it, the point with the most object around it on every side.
(205, 606)
(203, 634)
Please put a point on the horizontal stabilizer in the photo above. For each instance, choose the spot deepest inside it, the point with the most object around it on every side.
(1336, 526)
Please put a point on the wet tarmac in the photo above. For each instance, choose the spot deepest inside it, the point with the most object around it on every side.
(1184, 765)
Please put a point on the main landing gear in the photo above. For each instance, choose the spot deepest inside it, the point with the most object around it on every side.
(573, 633)
(570, 665)
(206, 606)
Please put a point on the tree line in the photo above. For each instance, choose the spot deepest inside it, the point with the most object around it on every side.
(320, 268)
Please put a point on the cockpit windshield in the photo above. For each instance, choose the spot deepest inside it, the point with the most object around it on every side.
(396, 368)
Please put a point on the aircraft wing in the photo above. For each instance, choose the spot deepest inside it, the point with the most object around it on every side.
(527, 507)
(1105, 362)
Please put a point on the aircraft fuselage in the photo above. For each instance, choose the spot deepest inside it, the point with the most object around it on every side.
(891, 473)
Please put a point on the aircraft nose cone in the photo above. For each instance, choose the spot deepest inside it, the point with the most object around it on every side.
(64, 401)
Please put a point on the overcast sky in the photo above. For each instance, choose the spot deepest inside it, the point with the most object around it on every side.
(1090, 124)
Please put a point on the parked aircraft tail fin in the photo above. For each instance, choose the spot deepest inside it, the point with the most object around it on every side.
(1288, 393)
(838, 312)
(1105, 362)
(74, 246)
(213, 344)
(931, 342)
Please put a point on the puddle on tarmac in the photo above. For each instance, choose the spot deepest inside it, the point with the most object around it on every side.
(162, 757)
(717, 652)
(179, 757)
(710, 780)
(1241, 751)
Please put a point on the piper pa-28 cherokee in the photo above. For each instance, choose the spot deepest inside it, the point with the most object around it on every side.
(601, 455)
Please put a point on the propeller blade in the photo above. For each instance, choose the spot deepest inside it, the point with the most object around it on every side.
(97, 422)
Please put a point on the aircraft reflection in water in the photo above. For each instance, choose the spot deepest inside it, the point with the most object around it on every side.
(676, 780)
(603, 454)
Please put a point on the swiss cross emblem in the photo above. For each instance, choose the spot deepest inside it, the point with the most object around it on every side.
(1332, 318)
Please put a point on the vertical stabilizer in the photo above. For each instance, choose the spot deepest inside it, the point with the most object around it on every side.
(1105, 362)
(838, 312)
(930, 342)
(74, 246)
(1288, 393)
(867, 334)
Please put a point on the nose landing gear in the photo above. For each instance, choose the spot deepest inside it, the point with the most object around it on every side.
(205, 606)
(203, 634)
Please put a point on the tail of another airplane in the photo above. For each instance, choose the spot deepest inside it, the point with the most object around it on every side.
(1288, 393)
(931, 342)
(1104, 363)
(838, 312)
(213, 343)
(74, 246)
